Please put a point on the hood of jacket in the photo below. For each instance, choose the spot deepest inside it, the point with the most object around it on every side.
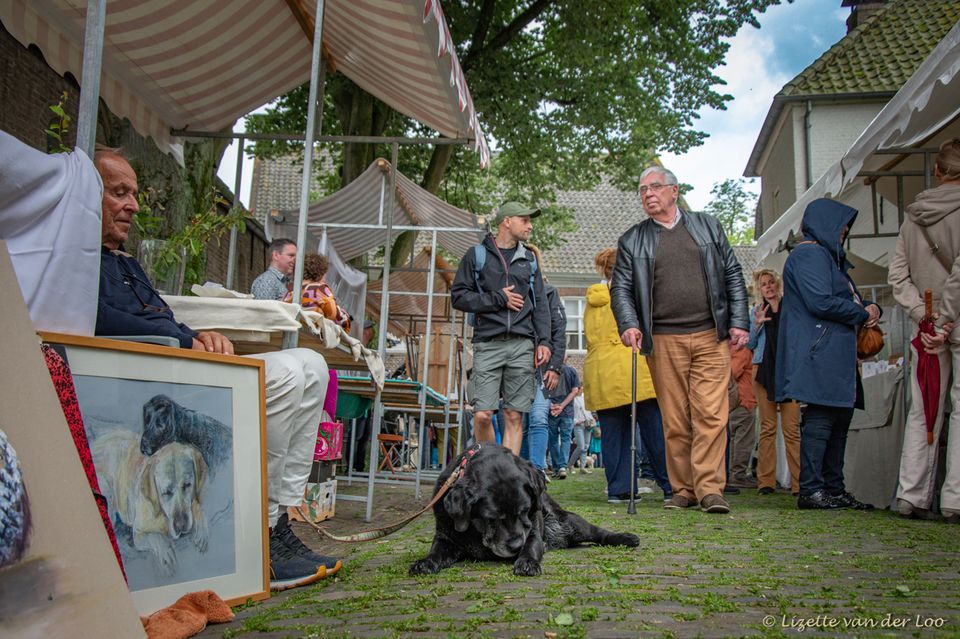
(823, 220)
(598, 295)
(934, 204)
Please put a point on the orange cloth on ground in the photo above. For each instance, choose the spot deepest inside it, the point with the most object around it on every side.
(187, 616)
(741, 366)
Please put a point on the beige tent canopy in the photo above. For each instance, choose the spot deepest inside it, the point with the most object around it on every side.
(201, 64)
(355, 217)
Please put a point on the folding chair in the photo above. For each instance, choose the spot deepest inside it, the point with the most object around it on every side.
(390, 452)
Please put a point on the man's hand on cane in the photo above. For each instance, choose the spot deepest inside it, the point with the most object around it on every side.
(632, 338)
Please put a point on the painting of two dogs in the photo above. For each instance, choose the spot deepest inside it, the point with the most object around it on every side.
(156, 474)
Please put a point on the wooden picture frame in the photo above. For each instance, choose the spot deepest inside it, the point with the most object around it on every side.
(178, 439)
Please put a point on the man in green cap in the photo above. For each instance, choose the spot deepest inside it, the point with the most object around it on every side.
(499, 281)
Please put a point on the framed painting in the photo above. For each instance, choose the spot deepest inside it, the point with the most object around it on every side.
(179, 445)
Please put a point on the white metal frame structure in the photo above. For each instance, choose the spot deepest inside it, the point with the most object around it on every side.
(162, 104)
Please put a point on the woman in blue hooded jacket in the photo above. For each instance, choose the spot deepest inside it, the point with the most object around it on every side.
(817, 350)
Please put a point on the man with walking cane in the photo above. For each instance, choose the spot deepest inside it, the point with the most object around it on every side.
(678, 295)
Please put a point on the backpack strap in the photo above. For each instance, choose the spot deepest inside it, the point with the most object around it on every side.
(935, 249)
(479, 259)
(533, 275)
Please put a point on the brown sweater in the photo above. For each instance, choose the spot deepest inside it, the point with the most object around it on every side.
(681, 304)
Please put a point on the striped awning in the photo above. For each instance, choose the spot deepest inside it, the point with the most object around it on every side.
(202, 64)
(359, 203)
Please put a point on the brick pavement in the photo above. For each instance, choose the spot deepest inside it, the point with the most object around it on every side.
(766, 569)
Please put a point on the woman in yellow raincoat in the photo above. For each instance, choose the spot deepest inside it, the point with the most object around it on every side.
(606, 380)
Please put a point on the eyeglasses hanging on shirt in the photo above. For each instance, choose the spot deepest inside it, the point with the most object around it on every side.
(131, 279)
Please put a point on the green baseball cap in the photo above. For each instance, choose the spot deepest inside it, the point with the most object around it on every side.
(512, 209)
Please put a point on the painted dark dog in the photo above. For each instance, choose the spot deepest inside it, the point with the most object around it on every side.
(165, 421)
(499, 509)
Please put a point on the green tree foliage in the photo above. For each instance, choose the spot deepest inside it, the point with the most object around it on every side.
(734, 206)
(566, 91)
(59, 126)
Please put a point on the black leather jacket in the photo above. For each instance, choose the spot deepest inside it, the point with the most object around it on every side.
(631, 290)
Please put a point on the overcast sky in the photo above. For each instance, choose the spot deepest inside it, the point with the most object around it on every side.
(759, 63)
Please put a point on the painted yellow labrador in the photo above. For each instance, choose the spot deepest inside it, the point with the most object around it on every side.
(158, 495)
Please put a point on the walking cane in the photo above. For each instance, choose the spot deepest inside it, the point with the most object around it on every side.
(632, 507)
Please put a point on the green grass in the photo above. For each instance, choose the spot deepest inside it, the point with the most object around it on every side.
(716, 575)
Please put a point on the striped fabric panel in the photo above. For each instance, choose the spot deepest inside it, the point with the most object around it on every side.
(202, 64)
(359, 203)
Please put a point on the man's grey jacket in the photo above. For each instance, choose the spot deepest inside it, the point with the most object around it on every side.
(631, 290)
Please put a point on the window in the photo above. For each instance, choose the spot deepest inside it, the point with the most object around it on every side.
(574, 307)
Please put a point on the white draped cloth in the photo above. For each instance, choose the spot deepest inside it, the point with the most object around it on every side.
(50, 219)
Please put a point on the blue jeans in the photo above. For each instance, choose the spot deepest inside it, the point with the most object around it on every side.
(535, 428)
(561, 429)
(579, 453)
(616, 445)
(823, 442)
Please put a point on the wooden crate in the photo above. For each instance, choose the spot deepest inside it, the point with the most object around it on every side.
(439, 358)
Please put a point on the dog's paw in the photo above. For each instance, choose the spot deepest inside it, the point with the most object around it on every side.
(526, 567)
(201, 534)
(425, 566)
(623, 539)
(166, 559)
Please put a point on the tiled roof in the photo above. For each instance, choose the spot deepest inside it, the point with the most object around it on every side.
(880, 54)
(277, 182)
(602, 215)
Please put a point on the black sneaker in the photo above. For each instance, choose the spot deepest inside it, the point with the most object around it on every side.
(285, 534)
(766, 490)
(819, 500)
(846, 500)
(622, 498)
(731, 490)
(287, 570)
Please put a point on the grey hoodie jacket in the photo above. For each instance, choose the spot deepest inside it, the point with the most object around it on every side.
(915, 268)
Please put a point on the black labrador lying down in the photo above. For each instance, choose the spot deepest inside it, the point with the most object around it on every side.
(499, 509)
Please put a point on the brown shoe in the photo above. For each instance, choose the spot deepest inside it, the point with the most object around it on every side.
(679, 501)
(714, 504)
(738, 481)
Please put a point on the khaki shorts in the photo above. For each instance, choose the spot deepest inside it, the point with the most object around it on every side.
(503, 367)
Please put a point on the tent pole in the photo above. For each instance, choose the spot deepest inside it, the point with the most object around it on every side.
(383, 187)
(377, 426)
(318, 79)
(232, 253)
(446, 407)
(461, 389)
(425, 364)
(90, 75)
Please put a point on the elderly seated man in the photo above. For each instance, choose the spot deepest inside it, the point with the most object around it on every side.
(296, 379)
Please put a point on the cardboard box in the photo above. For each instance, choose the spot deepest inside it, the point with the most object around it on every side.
(319, 502)
(322, 471)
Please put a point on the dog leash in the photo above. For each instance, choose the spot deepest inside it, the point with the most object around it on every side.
(379, 533)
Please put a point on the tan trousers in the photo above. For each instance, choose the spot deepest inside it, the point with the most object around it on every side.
(767, 448)
(918, 460)
(690, 374)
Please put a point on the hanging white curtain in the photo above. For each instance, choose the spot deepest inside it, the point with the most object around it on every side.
(349, 285)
